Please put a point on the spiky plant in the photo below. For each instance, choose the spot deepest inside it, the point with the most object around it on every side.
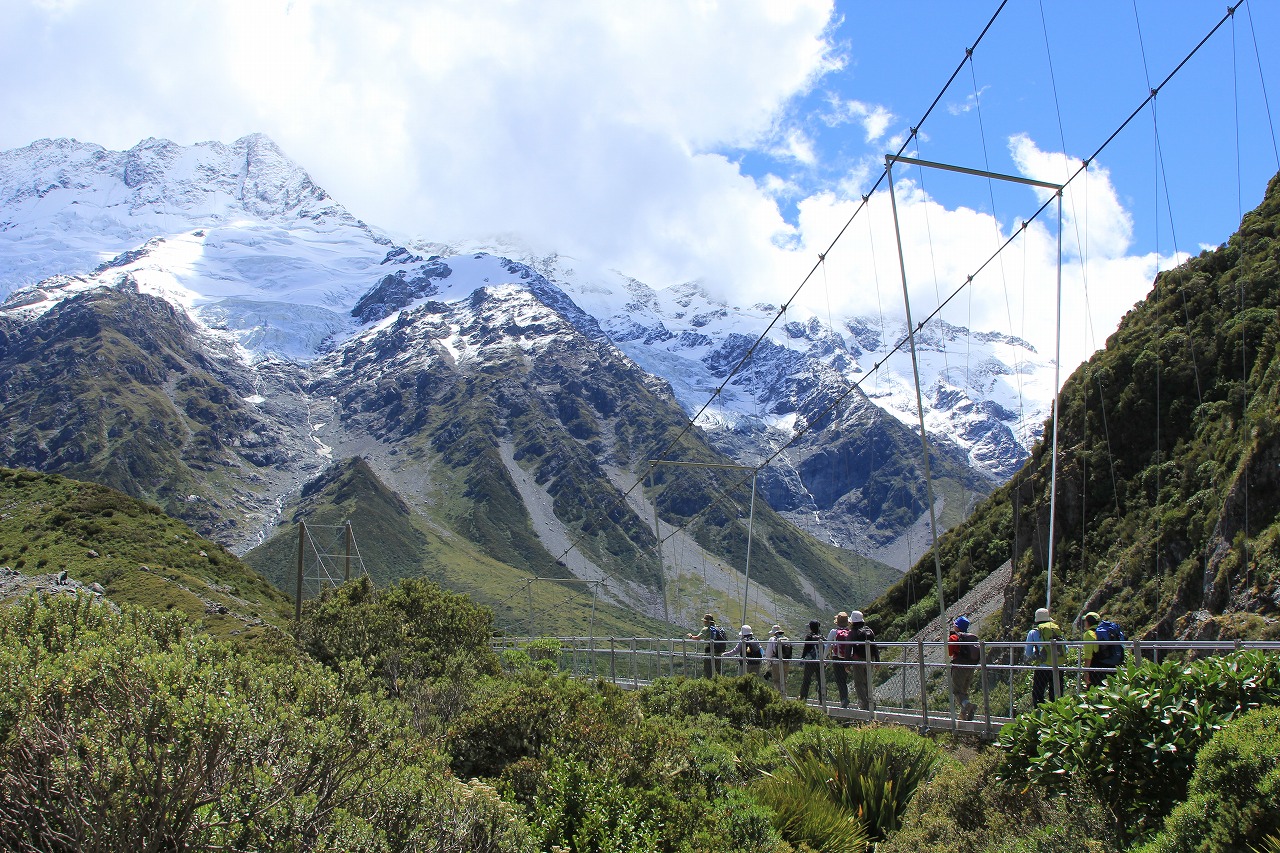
(870, 778)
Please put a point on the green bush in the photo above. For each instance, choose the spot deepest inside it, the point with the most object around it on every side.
(1234, 795)
(1135, 739)
(743, 702)
(530, 714)
(404, 633)
(962, 807)
(129, 731)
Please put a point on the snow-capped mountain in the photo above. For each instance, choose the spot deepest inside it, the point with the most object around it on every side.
(242, 241)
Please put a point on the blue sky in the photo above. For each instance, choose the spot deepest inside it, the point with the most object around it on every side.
(723, 141)
(1066, 75)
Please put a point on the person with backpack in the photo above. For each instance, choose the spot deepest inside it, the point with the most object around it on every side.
(839, 642)
(1103, 648)
(811, 658)
(778, 653)
(966, 653)
(863, 653)
(1043, 651)
(716, 642)
(748, 651)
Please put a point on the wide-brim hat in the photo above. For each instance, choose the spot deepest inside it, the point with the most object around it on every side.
(1042, 615)
(708, 618)
(776, 629)
(856, 616)
(744, 631)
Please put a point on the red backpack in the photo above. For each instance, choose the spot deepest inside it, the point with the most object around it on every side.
(843, 648)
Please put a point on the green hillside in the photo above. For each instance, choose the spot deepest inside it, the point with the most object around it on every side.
(141, 556)
(1168, 468)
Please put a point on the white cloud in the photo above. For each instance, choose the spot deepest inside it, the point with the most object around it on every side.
(585, 126)
(873, 118)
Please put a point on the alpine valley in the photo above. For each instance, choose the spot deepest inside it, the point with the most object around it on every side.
(205, 328)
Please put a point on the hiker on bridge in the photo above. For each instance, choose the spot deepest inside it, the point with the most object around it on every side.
(852, 649)
(966, 653)
(716, 642)
(778, 653)
(748, 651)
(1044, 651)
(1103, 648)
(812, 656)
(839, 640)
(863, 654)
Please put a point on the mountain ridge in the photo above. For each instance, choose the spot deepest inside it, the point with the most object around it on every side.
(333, 342)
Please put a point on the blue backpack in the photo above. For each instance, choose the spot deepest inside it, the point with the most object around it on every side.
(1110, 655)
(719, 640)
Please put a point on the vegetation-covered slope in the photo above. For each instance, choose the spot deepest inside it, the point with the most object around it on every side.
(1168, 468)
(139, 555)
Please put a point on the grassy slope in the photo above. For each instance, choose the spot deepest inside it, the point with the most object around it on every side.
(394, 541)
(49, 523)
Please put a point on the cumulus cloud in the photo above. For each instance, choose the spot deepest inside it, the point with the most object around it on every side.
(588, 127)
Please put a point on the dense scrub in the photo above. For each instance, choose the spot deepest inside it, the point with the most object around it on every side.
(1133, 741)
(127, 729)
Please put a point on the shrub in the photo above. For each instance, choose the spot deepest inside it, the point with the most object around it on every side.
(741, 702)
(961, 807)
(526, 717)
(868, 776)
(1134, 740)
(404, 633)
(129, 731)
(1234, 795)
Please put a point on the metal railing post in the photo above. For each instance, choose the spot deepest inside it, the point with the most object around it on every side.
(635, 666)
(870, 676)
(613, 663)
(1054, 686)
(822, 676)
(924, 694)
(986, 689)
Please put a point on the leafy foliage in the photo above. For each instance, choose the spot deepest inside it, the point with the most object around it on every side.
(1134, 740)
(964, 807)
(1234, 795)
(404, 634)
(128, 731)
(741, 702)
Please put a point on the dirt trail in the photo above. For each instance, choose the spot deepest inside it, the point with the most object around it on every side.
(979, 603)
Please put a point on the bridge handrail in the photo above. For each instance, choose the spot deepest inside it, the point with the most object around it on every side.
(637, 661)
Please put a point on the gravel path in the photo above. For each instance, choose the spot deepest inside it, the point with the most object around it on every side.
(979, 603)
